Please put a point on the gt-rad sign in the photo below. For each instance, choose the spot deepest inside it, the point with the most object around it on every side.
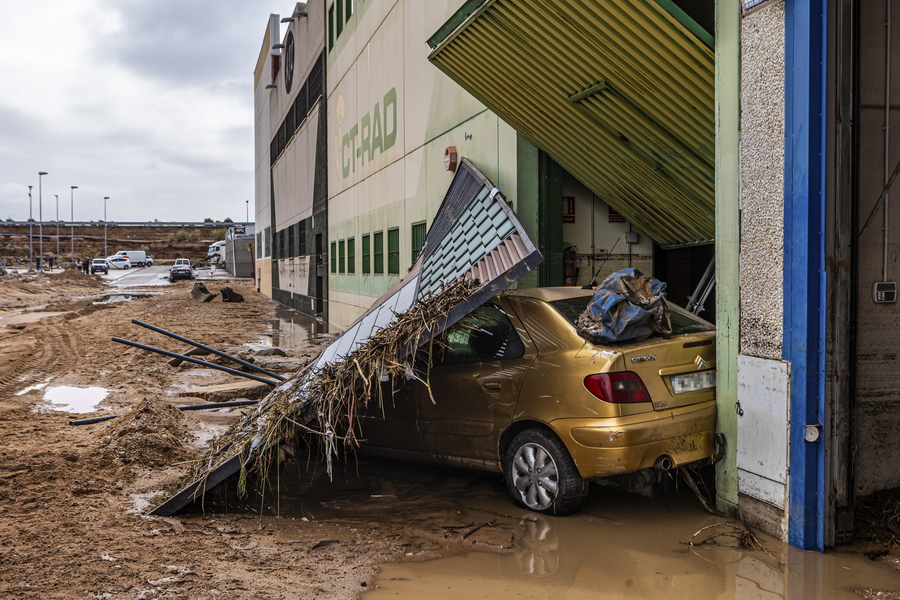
(375, 132)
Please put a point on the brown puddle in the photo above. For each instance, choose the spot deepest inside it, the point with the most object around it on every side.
(618, 546)
(623, 546)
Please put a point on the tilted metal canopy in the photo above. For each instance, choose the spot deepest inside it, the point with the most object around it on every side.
(620, 93)
(475, 236)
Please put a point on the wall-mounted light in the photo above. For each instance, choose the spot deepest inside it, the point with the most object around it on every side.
(277, 46)
(271, 86)
(451, 158)
(287, 19)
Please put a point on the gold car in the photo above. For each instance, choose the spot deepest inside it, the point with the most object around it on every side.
(514, 389)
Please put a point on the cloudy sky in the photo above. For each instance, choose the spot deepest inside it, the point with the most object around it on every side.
(149, 102)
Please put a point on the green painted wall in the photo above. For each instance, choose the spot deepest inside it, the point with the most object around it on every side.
(727, 256)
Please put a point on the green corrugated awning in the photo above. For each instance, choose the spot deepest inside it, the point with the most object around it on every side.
(620, 93)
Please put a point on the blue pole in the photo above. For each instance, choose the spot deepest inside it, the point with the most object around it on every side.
(805, 279)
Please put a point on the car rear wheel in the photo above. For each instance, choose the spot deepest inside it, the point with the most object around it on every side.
(541, 475)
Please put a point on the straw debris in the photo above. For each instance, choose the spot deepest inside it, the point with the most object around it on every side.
(320, 405)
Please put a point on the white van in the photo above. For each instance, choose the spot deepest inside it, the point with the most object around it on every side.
(136, 257)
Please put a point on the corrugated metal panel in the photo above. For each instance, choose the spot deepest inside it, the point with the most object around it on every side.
(496, 251)
(621, 94)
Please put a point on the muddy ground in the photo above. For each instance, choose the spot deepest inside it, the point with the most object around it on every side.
(73, 500)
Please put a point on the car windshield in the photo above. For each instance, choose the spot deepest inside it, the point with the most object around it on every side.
(682, 321)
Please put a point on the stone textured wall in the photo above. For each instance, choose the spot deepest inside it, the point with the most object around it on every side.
(762, 181)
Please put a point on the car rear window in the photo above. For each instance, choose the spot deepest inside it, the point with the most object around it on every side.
(682, 321)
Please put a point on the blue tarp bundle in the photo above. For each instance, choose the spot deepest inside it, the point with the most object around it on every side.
(627, 306)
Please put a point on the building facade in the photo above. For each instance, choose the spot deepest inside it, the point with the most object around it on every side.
(650, 133)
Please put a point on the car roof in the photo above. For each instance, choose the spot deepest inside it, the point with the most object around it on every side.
(548, 294)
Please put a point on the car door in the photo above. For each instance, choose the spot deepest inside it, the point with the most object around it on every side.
(477, 370)
(386, 424)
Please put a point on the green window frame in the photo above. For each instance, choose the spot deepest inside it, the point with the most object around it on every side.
(378, 252)
(351, 255)
(334, 257)
(339, 21)
(394, 251)
(341, 248)
(331, 26)
(416, 239)
(366, 254)
(348, 10)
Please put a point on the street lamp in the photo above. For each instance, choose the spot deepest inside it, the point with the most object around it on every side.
(105, 198)
(57, 229)
(41, 220)
(30, 234)
(248, 210)
(72, 222)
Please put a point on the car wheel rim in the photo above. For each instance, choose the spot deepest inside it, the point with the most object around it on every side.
(535, 476)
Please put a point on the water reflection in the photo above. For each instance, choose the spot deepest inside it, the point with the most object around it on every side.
(621, 546)
(112, 298)
(75, 399)
(292, 329)
(618, 546)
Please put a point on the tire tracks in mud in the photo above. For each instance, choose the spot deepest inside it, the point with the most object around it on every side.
(51, 352)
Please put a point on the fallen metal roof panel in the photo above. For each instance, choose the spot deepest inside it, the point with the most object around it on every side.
(470, 195)
(621, 94)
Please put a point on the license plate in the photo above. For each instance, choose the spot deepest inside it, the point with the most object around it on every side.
(693, 382)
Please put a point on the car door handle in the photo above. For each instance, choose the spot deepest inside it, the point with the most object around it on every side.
(491, 386)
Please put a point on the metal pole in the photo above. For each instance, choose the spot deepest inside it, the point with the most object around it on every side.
(196, 361)
(72, 222)
(248, 210)
(41, 220)
(208, 349)
(30, 233)
(105, 253)
(57, 228)
(211, 405)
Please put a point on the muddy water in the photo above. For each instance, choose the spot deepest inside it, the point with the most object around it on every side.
(619, 545)
(74, 399)
(622, 546)
(292, 329)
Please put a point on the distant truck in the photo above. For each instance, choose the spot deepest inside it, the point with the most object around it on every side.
(136, 257)
(216, 253)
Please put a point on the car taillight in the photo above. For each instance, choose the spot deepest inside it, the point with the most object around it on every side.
(617, 387)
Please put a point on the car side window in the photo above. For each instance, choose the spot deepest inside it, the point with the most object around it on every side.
(484, 335)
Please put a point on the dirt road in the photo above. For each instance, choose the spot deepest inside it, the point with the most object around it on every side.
(73, 499)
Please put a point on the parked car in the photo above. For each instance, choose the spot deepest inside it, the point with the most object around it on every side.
(118, 262)
(98, 265)
(514, 389)
(182, 269)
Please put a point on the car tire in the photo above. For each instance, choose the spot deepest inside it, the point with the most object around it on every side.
(541, 475)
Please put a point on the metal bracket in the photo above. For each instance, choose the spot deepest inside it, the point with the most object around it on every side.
(813, 433)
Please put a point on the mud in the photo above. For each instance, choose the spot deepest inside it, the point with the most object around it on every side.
(73, 500)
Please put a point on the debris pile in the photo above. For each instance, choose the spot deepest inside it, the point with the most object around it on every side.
(322, 402)
(878, 517)
(154, 434)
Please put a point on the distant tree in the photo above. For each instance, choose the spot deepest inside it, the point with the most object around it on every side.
(228, 220)
(208, 220)
(219, 234)
(183, 235)
(31, 221)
